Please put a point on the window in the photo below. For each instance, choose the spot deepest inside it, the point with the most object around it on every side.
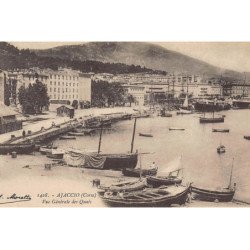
(66, 78)
(54, 83)
(74, 84)
(62, 77)
(50, 82)
(66, 89)
(50, 89)
(54, 96)
(50, 76)
(54, 89)
(73, 96)
(73, 78)
(54, 76)
(69, 96)
(58, 83)
(70, 84)
(58, 90)
(70, 78)
(63, 84)
(58, 77)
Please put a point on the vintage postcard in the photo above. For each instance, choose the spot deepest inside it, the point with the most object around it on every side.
(124, 124)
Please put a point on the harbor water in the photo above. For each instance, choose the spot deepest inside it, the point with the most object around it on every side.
(196, 145)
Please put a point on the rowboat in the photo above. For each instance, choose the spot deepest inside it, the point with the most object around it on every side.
(247, 137)
(67, 137)
(177, 129)
(221, 149)
(139, 172)
(166, 115)
(220, 130)
(126, 186)
(56, 154)
(157, 181)
(168, 177)
(145, 135)
(148, 197)
(210, 194)
(18, 148)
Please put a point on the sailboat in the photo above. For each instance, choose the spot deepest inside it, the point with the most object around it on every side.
(169, 177)
(211, 119)
(184, 110)
(211, 194)
(108, 161)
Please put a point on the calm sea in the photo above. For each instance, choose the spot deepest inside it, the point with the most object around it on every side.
(196, 145)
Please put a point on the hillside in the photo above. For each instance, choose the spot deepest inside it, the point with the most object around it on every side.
(13, 58)
(136, 53)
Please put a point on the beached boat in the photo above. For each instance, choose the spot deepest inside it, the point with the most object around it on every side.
(157, 181)
(169, 176)
(220, 130)
(149, 197)
(125, 186)
(166, 115)
(172, 128)
(46, 149)
(137, 172)
(211, 194)
(225, 194)
(67, 137)
(247, 137)
(145, 135)
(26, 148)
(221, 149)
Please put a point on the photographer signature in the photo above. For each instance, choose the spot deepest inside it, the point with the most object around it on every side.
(14, 198)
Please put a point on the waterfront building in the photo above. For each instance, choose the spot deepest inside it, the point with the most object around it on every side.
(62, 85)
(8, 121)
(2, 80)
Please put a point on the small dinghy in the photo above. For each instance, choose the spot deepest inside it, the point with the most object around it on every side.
(145, 134)
(220, 130)
(247, 137)
(221, 149)
(181, 129)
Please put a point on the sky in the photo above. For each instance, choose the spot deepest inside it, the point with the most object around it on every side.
(227, 55)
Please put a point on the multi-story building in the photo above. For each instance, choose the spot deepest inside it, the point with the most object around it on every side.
(62, 84)
(2, 79)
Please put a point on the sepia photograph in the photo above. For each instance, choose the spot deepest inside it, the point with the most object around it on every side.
(124, 124)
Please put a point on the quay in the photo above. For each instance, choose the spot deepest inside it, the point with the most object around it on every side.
(43, 130)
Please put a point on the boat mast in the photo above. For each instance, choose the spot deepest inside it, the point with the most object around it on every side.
(231, 175)
(133, 137)
(140, 166)
(100, 139)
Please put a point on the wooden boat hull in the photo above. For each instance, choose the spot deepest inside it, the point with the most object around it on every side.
(211, 120)
(18, 148)
(67, 137)
(247, 137)
(145, 135)
(120, 161)
(166, 115)
(180, 129)
(220, 130)
(212, 195)
(124, 187)
(136, 172)
(161, 181)
(147, 199)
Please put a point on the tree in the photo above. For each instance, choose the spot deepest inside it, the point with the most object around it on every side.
(75, 104)
(33, 98)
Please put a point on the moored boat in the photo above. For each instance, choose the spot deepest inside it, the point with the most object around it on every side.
(26, 148)
(56, 154)
(67, 137)
(181, 129)
(211, 119)
(145, 134)
(139, 172)
(247, 137)
(221, 149)
(220, 130)
(149, 197)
